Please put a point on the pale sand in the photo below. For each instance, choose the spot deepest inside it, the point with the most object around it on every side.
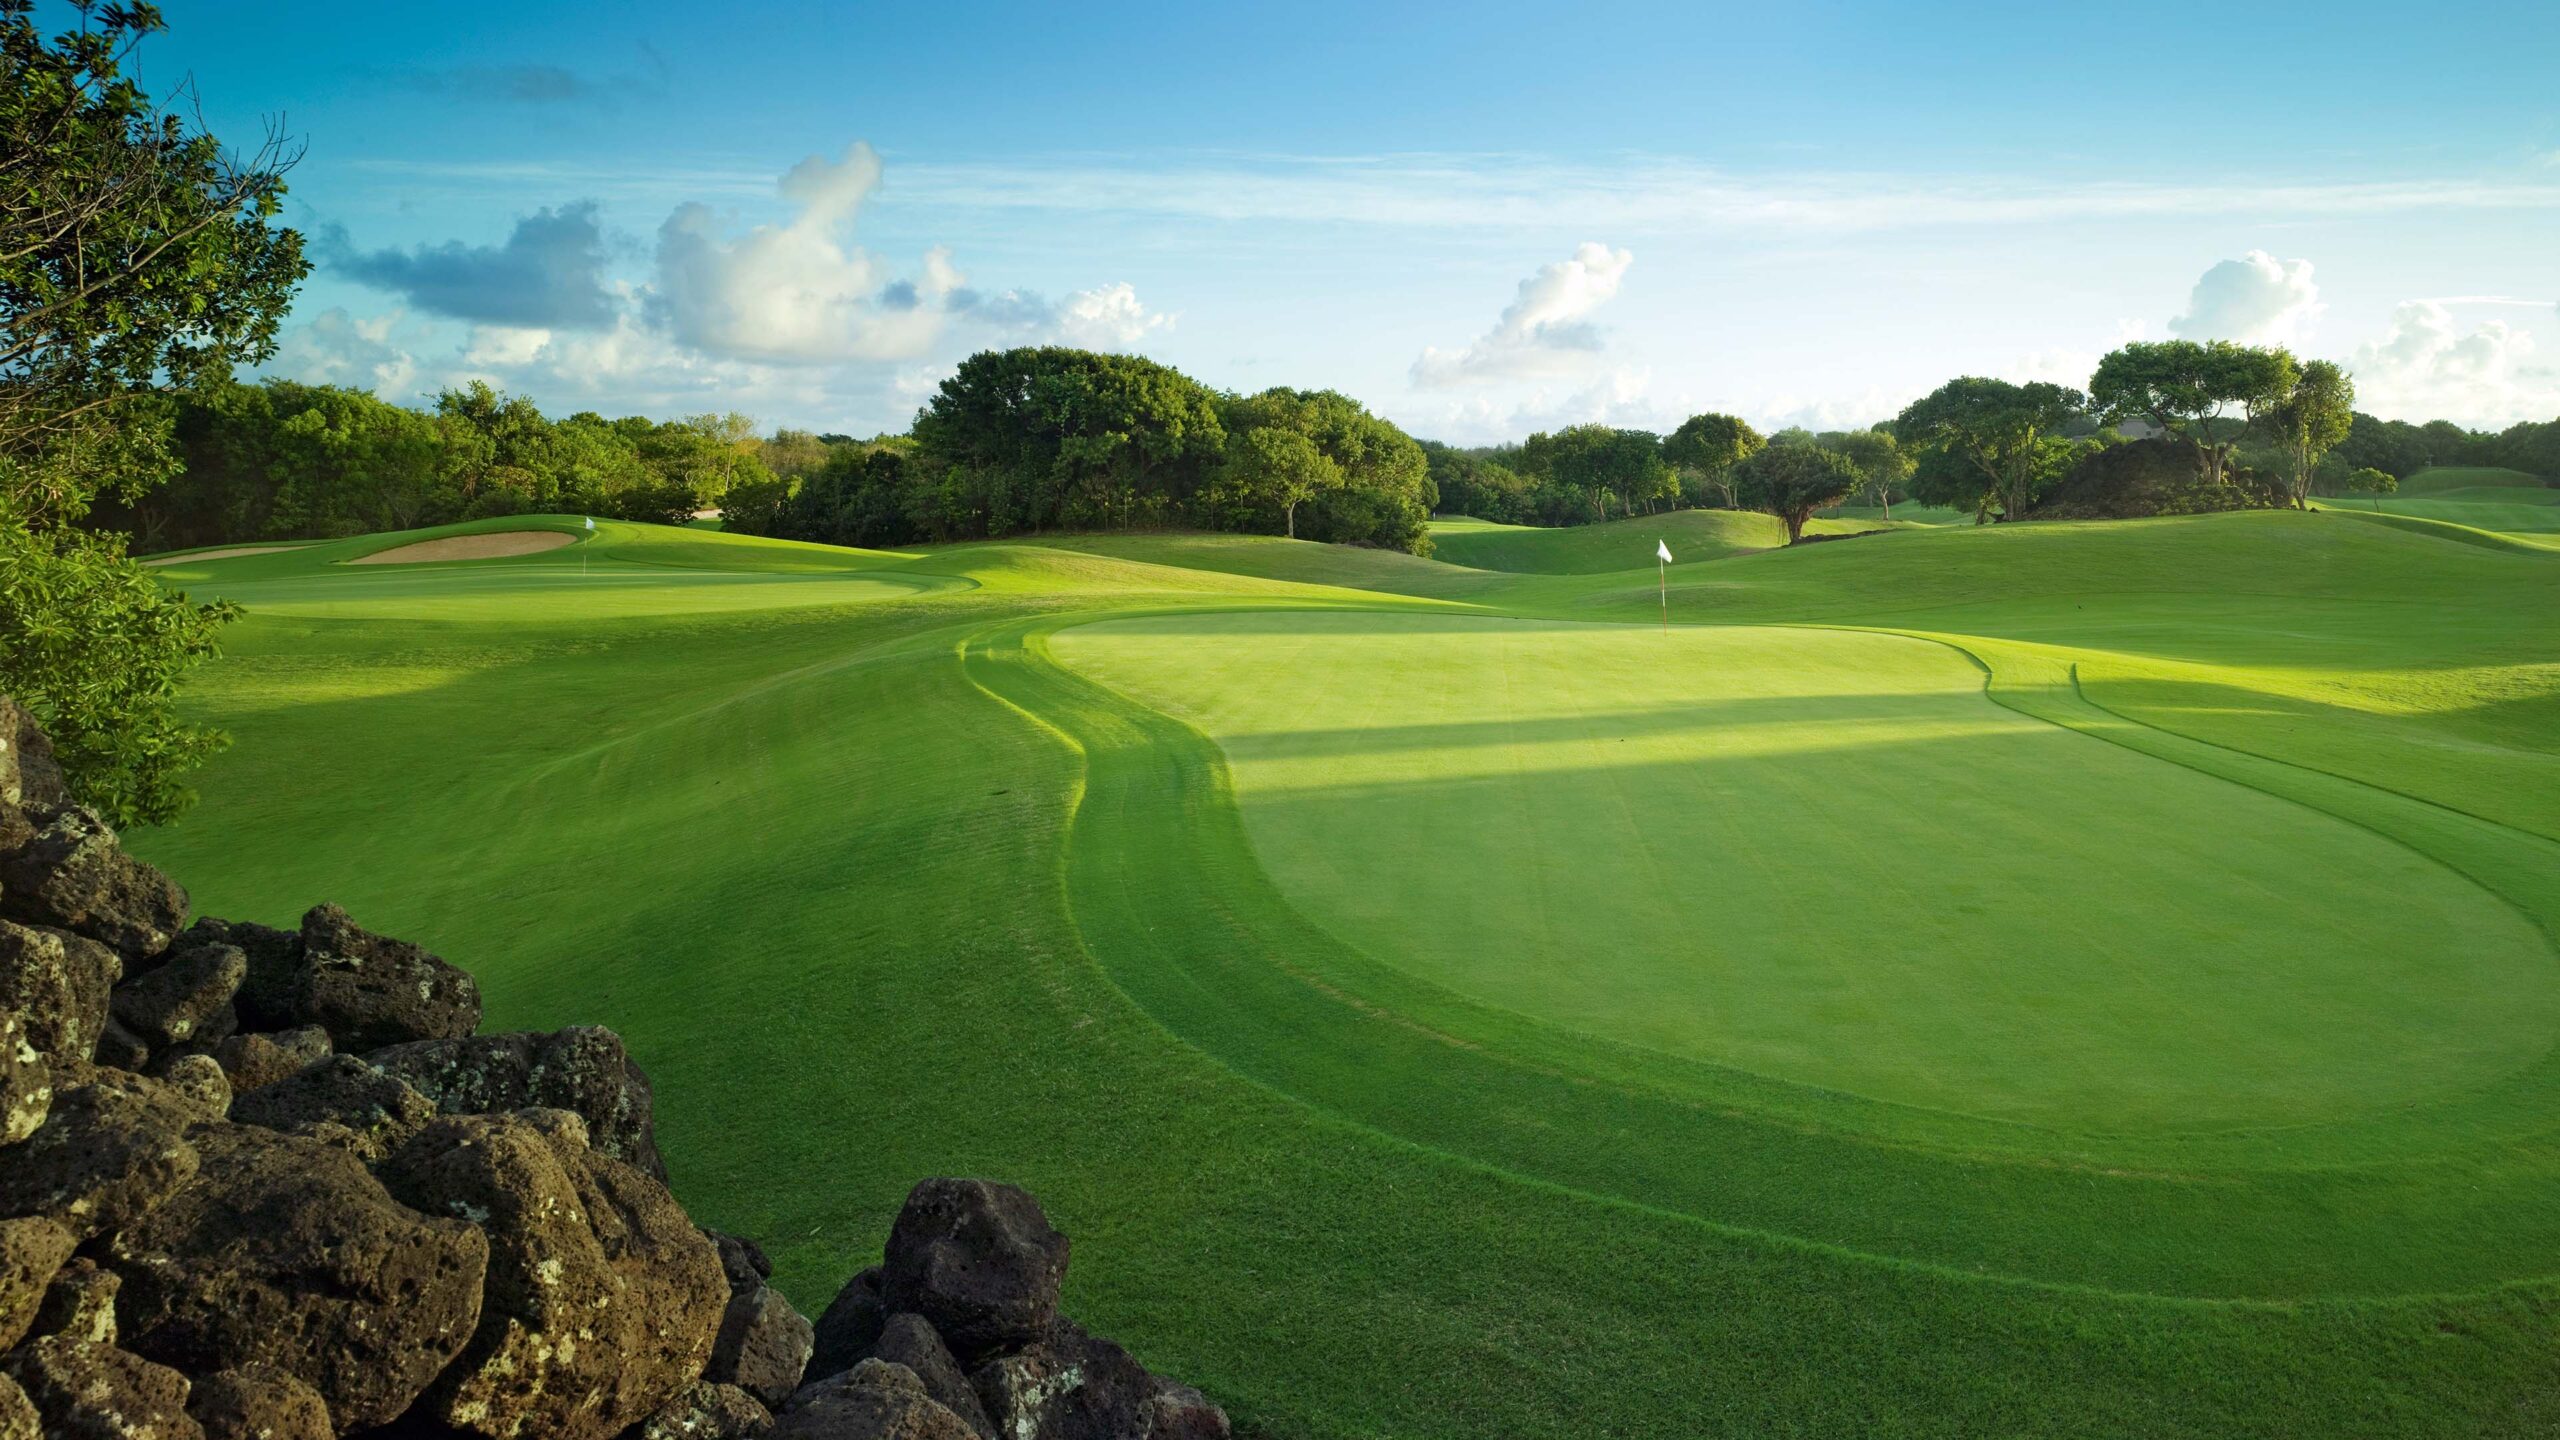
(232, 552)
(470, 547)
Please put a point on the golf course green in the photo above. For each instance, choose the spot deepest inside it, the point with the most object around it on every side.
(2038, 980)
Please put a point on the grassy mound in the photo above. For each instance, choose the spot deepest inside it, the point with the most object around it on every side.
(2081, 979)
(1618, 544)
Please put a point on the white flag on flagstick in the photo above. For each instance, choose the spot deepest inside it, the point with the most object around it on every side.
(1663, 549)
(591, 524)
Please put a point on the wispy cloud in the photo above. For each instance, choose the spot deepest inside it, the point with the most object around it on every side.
(1631, 195)
(1642, 195)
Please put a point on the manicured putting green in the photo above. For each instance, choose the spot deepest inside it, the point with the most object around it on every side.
(1708, 844)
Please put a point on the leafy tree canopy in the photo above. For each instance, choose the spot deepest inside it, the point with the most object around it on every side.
(137, 255)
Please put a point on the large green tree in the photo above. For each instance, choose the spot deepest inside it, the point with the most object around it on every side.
(1616, 467)
(1997, 427)
(1881, 463)
(1705, 449)
(1051, 436)
(137, 255)
(1793, 481)
(2310, 420)
(2203, 392)
(1268, 467)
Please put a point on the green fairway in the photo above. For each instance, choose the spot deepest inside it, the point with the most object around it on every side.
(1670, 842)
(2036, 980)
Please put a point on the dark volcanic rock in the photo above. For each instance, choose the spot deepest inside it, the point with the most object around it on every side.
(26, 1081)
(874, 1401)
(908, 1340)
(98, 1392)
(849, 1327)
(18, 1417)
(80, 1304)
(258, 1402)
(377, 1109)
(265, 1001)
(120, 1047)
(253, 1061)
(28, 774)
(284, 1251)
(32, 1250)
(187, 997)
(583, 1068)
(707, 1412)
(602, 1299)
(100, 1160)
(72, 875)
(1075, 1386)
(763, 1346)
(369, 990)
(198, 1079)
(979, 1260)
(58, 985)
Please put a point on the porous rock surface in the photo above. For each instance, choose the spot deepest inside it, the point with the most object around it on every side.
(272, 1183)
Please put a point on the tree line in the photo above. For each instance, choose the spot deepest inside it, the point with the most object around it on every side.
(2260, 427)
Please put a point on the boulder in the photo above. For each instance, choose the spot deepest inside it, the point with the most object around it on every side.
(378, 1111)
(583, 1068)
(258, 1402)
(87, 1391)
(285, 1251)
(26, 1081)
(265, 1001)
(763, 1345)
(72, 875)
(197, 1078)
(101, 1160)
(186, 997)
(873, 1401)
(1075, 1386)
(979, 1260)
(602, 1299)
(58, 985)
(1178, 1412)
(80, 1304)
(369, 990)
(706, 1412)
(257, 1060)
(908, 1340)
(32, 1250)
(848, 1328)
(18, 1417)
(28, 773)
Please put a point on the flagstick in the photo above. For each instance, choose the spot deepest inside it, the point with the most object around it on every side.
(1662, 582)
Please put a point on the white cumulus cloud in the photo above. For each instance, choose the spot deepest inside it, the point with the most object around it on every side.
(2256, 300)
(1547, 329)
(2426, 367)
(800, 291)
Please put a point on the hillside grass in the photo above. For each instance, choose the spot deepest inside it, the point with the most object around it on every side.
(2035, 980)
(1615, 545)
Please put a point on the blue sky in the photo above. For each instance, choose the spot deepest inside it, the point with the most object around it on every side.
(1480, 220)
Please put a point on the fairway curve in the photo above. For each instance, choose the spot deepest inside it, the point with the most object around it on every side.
(1686, 843)
(2429, 1197)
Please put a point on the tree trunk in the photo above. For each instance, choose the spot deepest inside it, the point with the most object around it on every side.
(1291, 510)
(1795, 525)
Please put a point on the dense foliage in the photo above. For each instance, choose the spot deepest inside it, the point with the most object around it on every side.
(1046, 439)
(137, 255)
(285, 461)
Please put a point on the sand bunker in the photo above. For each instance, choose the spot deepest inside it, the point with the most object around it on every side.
(229, 553)
(470, 547)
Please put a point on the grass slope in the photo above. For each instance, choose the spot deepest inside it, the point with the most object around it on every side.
(1248, 961)
(1618, 544)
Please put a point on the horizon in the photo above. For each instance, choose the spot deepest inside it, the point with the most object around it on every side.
(1477, 230)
